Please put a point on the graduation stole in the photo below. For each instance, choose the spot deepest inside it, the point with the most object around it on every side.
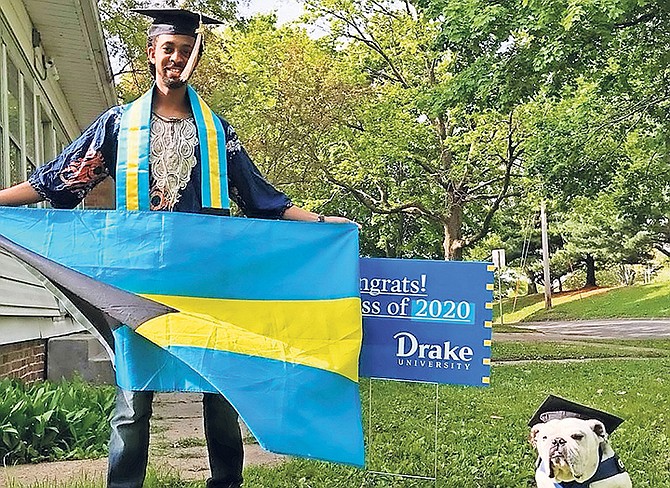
(132, 162)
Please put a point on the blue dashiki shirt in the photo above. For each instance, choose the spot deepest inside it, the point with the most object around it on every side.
(89, 159)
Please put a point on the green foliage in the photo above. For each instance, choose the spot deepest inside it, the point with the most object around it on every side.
(438, 123)
(48, 421)
(415, 148)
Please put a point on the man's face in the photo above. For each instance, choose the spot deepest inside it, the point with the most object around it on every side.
(170, 53)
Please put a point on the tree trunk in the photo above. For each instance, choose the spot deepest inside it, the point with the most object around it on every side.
(590, 272)
(453, 239)
(532, 286)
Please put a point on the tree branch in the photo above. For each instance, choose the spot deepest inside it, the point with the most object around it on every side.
(412, 208)
(503, 191)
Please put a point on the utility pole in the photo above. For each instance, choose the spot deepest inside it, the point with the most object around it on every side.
(545, 256)
(499, 263)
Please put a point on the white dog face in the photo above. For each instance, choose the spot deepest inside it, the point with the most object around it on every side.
(568, 448)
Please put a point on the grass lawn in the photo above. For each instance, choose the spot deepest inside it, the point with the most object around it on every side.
(643, 301)
(482, 432)
(640, 301)
(506, 351)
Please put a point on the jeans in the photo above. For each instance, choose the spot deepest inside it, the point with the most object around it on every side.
(129, 442)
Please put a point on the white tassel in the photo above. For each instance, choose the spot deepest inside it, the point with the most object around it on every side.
(193, 58)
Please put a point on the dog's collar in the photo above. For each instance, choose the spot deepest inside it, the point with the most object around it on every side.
(608, 468)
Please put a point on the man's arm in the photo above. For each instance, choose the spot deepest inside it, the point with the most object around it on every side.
(297, 213)
(21, 194)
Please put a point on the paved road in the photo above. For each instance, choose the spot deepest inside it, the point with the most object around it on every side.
(605, 329)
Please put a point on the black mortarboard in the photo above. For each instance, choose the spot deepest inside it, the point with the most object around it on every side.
(559, 408)
(174, 21)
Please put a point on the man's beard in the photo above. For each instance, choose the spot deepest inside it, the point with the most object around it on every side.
(173, 83)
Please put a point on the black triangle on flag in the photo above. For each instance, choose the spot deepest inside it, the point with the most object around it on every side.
(106, 307)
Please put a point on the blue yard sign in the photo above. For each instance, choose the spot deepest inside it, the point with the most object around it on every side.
(426, 320)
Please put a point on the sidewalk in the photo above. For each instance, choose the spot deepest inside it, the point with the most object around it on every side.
(177, 443)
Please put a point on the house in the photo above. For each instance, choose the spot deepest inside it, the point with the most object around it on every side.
(55, 79)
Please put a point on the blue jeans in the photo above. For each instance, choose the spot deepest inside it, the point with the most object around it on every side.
(129, 442)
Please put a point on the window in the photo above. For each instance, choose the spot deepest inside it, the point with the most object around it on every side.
(29, 124)
(15, 173)
(31, 130)
(48, 139)
(13, 102)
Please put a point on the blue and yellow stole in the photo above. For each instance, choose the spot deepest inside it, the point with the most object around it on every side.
(132, 162)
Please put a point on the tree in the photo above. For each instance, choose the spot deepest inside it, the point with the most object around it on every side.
(414, 148)
(595, 231)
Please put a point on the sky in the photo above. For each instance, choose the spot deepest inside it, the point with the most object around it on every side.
(287, 10)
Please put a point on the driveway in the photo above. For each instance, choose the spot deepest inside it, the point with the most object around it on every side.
(604, 329)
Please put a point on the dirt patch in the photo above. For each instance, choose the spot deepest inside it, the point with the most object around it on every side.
(177, 443)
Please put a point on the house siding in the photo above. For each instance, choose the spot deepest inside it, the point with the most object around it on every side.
(40, 112)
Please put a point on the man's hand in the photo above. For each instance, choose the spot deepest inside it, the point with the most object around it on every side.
(334, 219)
(297, 213)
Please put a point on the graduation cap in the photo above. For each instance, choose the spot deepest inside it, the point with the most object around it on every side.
(559, 408)
(179, 22)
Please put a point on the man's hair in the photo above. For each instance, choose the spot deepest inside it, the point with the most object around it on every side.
(151, 41)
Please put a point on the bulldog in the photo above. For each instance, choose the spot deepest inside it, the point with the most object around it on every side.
(575, 452)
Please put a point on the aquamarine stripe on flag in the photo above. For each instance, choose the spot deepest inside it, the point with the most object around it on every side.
(144, 150)
(257, 387)
(299, 260)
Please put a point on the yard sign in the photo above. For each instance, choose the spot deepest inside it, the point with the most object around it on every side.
(427, 321)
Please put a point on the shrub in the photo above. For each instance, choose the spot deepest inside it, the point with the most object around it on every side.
(53, 421)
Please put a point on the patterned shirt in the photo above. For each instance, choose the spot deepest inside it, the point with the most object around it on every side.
(175, 177)
(171, 158)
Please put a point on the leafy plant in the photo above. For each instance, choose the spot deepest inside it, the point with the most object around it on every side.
(49, 421)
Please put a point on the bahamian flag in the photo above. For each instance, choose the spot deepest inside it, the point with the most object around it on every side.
(267, 313)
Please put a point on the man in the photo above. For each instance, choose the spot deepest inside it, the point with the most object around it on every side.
(168, 152)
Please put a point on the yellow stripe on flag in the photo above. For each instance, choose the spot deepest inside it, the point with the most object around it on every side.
(325, 334)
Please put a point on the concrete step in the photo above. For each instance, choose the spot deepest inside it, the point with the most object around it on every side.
(78, 355)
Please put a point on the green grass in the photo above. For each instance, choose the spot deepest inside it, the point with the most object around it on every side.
(639, 301)
(643, 301)
(506, 351)
(482, 432)
(514, 310)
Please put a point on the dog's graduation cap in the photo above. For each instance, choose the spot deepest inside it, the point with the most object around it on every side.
(179, 22)
(559, 408)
